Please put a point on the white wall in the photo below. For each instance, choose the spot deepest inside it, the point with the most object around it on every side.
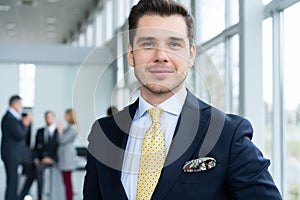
(55, 87)
(92, 95)
(53, 91)
(9, 83)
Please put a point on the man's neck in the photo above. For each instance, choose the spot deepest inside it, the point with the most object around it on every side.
(156, 99)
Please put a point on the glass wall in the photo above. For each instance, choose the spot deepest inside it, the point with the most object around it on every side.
(265, 2)
(212, 19)
(217, 34)
(216, 79)
(282, 101)
(268, 84)
(233, 12)
(234, 79)
(291, 100)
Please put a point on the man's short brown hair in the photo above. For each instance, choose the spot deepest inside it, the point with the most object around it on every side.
(162, 8)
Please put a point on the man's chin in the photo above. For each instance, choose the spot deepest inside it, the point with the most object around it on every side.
(157, 89)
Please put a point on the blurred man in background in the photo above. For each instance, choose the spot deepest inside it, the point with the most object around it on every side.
(13, 145)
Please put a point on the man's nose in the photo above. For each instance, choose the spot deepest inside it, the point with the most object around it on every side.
(161, 55)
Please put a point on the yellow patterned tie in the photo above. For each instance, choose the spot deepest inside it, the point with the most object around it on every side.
(152, 157)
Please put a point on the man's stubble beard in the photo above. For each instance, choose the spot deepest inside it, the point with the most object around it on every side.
(157, 90)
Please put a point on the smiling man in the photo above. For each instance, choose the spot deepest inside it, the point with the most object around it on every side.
(161, 55)
(170, 144)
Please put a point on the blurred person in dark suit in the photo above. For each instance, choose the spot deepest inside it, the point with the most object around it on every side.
(13, 144)
(45, 150)
(44, 155)
(111, 110)
(29, 170)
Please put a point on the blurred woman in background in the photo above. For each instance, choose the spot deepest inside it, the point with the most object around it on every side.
(67, 151)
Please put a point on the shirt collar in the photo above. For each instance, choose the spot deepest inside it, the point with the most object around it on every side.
(14, 113)
(51, 128)
(172, 105)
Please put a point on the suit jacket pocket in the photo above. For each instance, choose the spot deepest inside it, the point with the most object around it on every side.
(199, 177)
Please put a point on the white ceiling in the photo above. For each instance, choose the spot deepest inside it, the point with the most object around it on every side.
(42, 21)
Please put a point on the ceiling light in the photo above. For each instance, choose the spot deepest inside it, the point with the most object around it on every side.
(76, 11)
(11, 26)
(12, 33)
(51, 28)
(29, 3)
(4, 8)
(51, 34)
(53, 1)
(51, 20)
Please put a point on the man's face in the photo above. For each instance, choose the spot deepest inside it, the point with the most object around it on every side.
(49, 118)
(161, 53)
(18, 106)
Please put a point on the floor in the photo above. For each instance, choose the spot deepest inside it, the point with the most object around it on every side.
(77, 178)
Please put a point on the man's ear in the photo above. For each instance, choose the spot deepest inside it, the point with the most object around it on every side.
(130, 55)
(193, 53)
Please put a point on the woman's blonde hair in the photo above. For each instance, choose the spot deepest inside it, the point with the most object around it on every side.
(73, 119)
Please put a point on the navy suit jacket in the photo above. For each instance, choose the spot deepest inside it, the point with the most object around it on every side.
(241, 171)
(13, 144)
(49, 148)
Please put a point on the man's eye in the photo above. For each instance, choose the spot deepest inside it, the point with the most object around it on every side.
(148, 44)
(174, 45)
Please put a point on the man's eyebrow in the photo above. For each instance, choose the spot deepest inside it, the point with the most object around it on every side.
(177, 39)
(150, 38)
(142, 39)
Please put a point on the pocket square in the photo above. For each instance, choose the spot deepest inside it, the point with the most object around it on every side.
(199, 164)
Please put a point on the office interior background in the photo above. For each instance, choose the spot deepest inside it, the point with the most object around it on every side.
(72, 53)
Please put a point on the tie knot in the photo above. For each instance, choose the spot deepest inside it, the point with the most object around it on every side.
(155, 114)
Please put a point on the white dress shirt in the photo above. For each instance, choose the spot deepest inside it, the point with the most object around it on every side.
(49, 130)
(141, 123)
(14, 113)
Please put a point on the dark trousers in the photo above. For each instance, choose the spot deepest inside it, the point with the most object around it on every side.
(11, 168)
(33, 173)
(40, 177)
(29, 171)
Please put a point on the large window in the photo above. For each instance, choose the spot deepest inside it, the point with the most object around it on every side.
(27, 84)
(292, 101)
(99, 28)
(108, 7)
(212, 18)
(219, 52)
(281, 96)
(216, 78)
(268, 84)
(265, 2)
(233, 12)
(233, 75)
(90, 37)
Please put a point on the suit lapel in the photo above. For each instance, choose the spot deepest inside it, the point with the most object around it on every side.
(117, 132)
(43, 140)
(190, 131)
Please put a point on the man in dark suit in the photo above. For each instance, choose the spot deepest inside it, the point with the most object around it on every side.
(206, 153)
(45, 150)
(29, 170)
(13, 144)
